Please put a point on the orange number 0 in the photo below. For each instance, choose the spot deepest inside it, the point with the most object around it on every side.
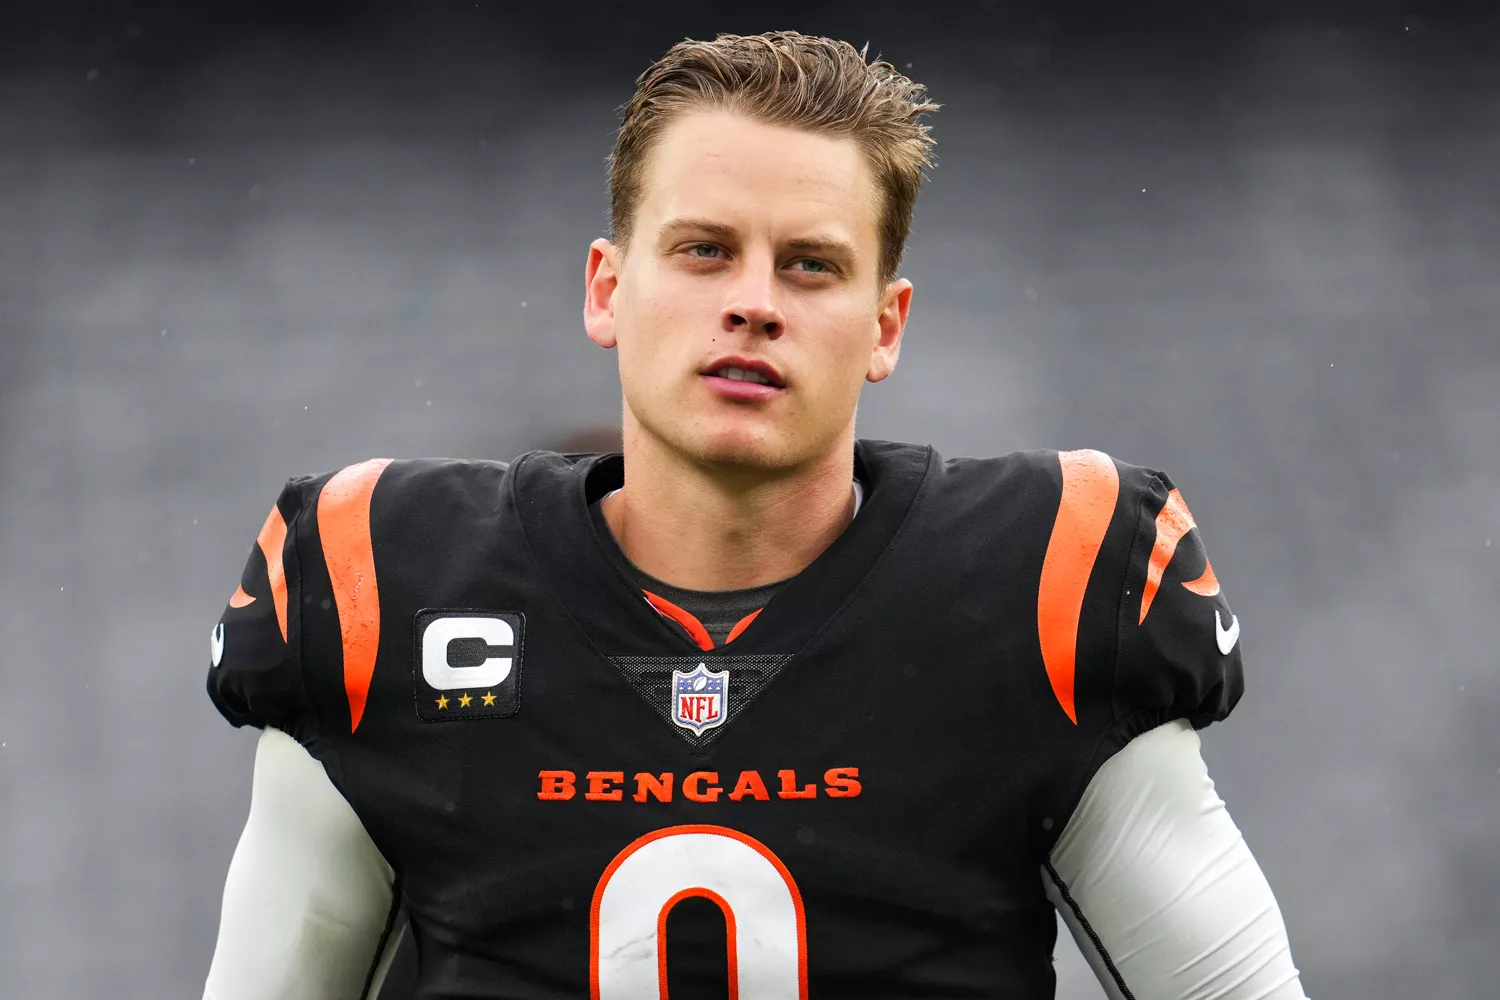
(765, 927)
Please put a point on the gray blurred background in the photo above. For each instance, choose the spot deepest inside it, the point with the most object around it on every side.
(1256, 246)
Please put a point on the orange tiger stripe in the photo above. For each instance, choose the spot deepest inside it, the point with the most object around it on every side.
(1174, 521)
(271, 539)
(1090, 487)
(1206, 585)
(344, 527)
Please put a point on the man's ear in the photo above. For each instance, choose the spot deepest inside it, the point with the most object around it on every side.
(891, 319)
(600, 279)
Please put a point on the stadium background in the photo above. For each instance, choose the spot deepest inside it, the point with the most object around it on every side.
(1256, 246)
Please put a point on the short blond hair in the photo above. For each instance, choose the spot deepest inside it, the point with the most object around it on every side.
(784, 78)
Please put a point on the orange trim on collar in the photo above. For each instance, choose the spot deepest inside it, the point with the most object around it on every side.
(685, 618)
(741, 625)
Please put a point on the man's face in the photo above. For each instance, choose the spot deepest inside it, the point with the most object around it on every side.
(754, 250)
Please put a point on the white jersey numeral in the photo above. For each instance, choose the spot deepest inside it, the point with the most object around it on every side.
(763, 919)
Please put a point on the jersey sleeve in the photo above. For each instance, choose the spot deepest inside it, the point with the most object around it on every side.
(254, 675)
(1177, 639)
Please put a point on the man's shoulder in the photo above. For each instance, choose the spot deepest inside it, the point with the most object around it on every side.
(1042, 477)
(401, 480)
(1045, 462)
(347, 554)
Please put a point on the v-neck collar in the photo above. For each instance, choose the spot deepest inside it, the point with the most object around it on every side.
(551, 493)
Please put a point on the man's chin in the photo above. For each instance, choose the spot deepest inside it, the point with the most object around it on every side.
(739, 453)
(748, 444)
(740, 448)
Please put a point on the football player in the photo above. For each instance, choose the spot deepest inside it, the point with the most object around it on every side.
(754, 709)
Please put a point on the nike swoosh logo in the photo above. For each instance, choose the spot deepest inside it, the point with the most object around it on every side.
(1226, 637)
(216, 643)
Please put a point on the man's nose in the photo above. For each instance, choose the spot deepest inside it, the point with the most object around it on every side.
(754, 301)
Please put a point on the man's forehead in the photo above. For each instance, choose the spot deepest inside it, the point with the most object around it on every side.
(729, 171)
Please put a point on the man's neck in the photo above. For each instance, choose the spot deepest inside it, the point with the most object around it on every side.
(699, 528)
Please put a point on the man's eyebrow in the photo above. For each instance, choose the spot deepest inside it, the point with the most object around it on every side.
(804, 244)
(718, 229)
(823, 245)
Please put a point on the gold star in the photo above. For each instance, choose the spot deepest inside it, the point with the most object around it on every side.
(464, 701)
(442, 702)
(489, 699)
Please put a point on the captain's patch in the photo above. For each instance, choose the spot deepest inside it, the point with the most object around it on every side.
(468, 664)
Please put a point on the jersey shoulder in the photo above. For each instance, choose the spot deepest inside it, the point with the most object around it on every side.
(1131, 622)
(312, 567)
(1177, 639)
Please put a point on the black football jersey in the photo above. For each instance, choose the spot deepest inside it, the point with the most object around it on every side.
(855, 798)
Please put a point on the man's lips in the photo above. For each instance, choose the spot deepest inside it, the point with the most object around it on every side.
(733, 389)
(763, 369)
(732, 383)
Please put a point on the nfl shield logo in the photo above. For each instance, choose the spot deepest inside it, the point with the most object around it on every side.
(700, 698)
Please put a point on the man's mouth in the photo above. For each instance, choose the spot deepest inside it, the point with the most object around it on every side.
(742, 369)
(742, 375)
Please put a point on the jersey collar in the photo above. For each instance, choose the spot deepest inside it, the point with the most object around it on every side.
(551, 493)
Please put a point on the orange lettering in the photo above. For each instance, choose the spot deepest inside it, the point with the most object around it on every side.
(700, 786)
(789, 787)
(661, 787)
(842, 782)
(709, 794)
(751, 785)
(599, 790)
(557, 786)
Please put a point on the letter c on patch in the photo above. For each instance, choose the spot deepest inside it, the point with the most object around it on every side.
(441, 675)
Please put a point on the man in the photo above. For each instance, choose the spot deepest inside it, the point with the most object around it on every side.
(755, 709)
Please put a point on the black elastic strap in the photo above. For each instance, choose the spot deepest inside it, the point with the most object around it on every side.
(1109, 963)
(385, 937)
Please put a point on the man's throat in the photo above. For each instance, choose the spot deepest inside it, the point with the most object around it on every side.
(693, 556)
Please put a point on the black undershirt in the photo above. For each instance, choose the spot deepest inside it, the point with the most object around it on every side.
(718, 610)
